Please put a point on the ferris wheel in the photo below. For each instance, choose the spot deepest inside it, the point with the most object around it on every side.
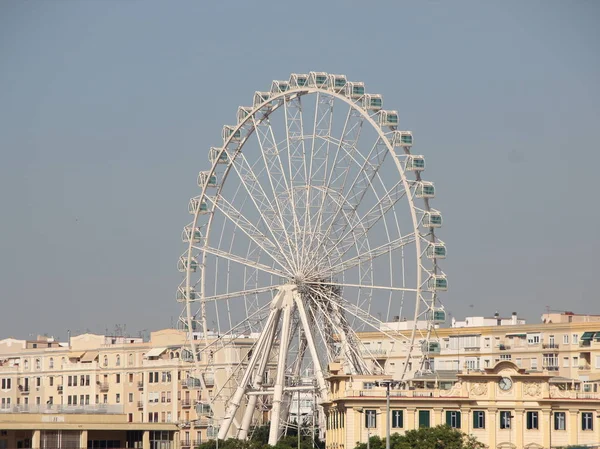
(312, 225)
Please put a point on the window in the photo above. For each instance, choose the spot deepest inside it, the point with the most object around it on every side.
(51, 363)
(587, 421)
(478, 419)
(118, 398)
(519, 362)
(550, 361)
(598, 361)
(87, 399)
(38, 381)
(370, 419)
(505, 420)
(87, 380)
(424, 420)
(532, 420)
(130, 377)
(533, 339)
(565, 362)
(534, 363)
(575, 361)
(453, 419)
(169, 396)
(105, 399)
(130, 397)
(38, 364)
(566, 339)
(130, 417)
(74, 381)
(397, 419)
(118, 378)
(130, 359)
(26, 364)
(505, 356)
(105, 362)
(118, 360)
(51, 381)
(6, 383)
(69, 381)
(560, 420)
(575, 339)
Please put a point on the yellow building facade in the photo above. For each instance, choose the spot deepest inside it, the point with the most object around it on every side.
(503, 407)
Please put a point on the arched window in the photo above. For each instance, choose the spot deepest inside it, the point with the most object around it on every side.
(130, 359)
(51, 363)
(38, 364)
(105, 360)
(62, 362)
(26, 364)
(118, 360)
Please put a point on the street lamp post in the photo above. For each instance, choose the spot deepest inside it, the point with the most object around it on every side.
(387, 384)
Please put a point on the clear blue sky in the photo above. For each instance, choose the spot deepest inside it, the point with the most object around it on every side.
(107, 109)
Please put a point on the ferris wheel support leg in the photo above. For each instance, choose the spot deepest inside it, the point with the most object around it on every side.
(311, 347)
(236, 400)
(284, 340)
(258, 380)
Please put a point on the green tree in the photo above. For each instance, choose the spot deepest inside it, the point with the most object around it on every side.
(440, 437)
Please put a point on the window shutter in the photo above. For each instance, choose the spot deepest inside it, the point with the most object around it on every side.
(475, 420)
(458, 423)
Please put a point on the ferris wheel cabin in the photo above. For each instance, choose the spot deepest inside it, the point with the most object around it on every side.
(388, 118)
(318, 79)
(279, 86)
(182, 264)
(242, 113)
(373, 102)
(436, 250)
(197, 206)
(403, 139)
(298, 80)
(437, 315)
(183, 293)
(215, 156)
(425, 189)
(415, 163)
(193, 234)
(205, 178)
(432, 219)
(229, 131)
(438, 282)
(338, 82)
(260, 98)
(355, 90)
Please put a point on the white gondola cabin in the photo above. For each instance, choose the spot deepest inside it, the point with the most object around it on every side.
(388, 118)
(205, 178)
(191, 233)
(298, 80)
(278, 87)
(438, 282)
(403, 139)
(215, 155)
(337, 83)
(432, 347)
(260, 98)
(415, 163)
(242, 113)
(424, 189)
(230, 131)
(203, 408)
(183, 293)
(373, 102)
(436, 250)
(437, 315)
(183, 264)
(197, 206)
(432, 219)
(355, 89)
(318, 79)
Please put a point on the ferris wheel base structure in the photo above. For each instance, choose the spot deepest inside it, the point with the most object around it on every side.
(312, 224)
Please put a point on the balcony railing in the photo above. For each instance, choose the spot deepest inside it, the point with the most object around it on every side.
(504, 347)
(140, 404)
(103, 386)
(585, 367)
(550, 346)
(140, 385)
(186, 403)
(97, 409)
(373, 352)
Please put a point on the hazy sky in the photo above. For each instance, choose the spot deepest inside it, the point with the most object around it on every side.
(107, 110)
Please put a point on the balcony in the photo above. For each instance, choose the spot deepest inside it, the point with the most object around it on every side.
(201, 422)
(504, 347)
(373, 352)
(140, 385)
(98, 409)
(551, 368)
(24, 389)
(103, 386)
(186, 403)
(550, 345)
(191, 443)
(140, 404)
(585, 367)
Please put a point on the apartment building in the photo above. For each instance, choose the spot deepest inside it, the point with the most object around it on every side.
(509, 383)
(99, 391)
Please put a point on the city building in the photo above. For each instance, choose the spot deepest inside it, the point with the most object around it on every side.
(109, 392)
(478, 373)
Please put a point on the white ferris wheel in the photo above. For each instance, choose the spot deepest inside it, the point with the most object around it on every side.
(313, 224)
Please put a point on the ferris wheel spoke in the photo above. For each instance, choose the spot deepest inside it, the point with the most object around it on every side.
(241, 260)
(242, 223)
(375, 287)
(369, 256)
(240, 294)
(269, 216)
(275, 172)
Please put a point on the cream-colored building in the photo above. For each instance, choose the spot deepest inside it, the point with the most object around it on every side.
(553, 366)
(109, 392)
(504, 407)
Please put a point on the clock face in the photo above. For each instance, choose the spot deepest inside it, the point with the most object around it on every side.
(505, 384)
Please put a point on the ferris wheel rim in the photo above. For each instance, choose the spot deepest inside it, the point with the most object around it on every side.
(273, 101)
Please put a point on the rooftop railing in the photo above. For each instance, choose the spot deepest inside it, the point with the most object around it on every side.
(98, 409)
